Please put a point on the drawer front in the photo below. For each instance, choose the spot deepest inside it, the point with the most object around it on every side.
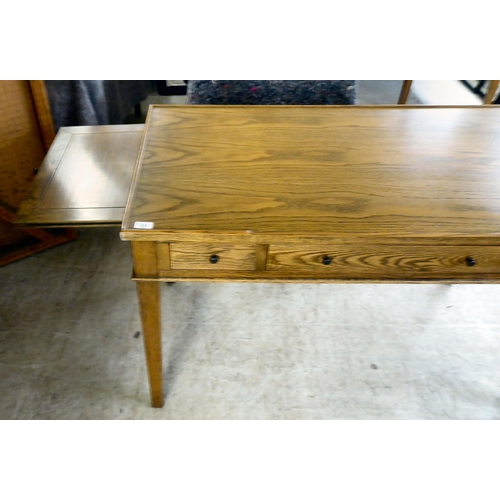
(190, 256)
(392, 261)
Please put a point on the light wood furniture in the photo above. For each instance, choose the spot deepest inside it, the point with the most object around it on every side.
(85, 178)
(312, 193)
(26, 133)
(492, 90)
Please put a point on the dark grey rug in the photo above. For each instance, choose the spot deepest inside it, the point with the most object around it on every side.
(271, 92)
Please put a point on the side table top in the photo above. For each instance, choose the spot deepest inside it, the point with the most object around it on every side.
(277, 172)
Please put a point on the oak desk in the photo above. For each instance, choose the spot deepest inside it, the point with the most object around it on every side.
(312, 193)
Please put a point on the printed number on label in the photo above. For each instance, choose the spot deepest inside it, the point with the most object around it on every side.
(144, 225)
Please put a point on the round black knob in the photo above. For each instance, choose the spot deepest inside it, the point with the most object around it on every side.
(327, 260)
(470, 261)
(214, 259)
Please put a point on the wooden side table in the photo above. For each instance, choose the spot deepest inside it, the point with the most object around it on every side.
(312, 193)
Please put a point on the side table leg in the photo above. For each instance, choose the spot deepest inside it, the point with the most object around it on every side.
(148, 293)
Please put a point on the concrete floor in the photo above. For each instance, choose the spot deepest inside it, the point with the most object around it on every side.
(69, 347)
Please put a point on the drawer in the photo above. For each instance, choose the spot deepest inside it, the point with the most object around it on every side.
(190, 256)
(381, 261)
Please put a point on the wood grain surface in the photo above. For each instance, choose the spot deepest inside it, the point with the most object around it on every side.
(275, 172)
(145, 258)
(197, 256)
(148, 294)
(385, 261)
(85, 177)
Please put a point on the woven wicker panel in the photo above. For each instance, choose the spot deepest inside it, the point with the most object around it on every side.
(21, 143)
(26, 132)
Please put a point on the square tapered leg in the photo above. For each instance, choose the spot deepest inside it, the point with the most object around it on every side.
(149, 303)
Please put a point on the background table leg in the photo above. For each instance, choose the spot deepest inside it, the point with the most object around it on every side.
(149, 304)
(405, 90)
(493, 86)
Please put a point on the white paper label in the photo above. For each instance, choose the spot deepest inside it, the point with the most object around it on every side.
(144, 225)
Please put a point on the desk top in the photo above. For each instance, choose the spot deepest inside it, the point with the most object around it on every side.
(272, 172)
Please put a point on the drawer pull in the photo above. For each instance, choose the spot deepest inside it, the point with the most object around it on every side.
(214, 259)
(470, 261)
(327, 260)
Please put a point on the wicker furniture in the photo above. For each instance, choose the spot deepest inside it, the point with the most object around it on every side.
(26, 133)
